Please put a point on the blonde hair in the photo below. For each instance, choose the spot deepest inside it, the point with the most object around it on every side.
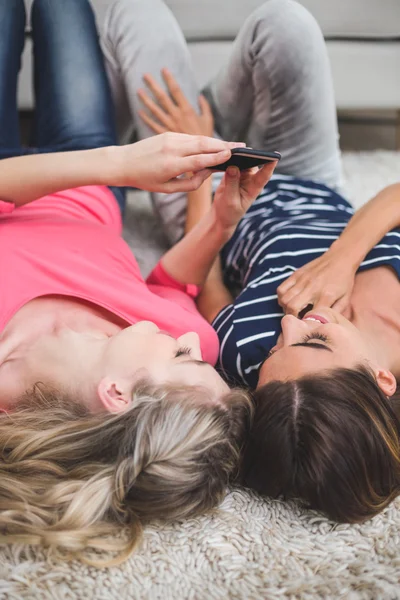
(69, 479)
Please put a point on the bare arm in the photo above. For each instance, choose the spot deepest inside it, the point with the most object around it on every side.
(370, 224)
(329, 280)
(154, 164)
(214, 295)
(174, 113)
(191, 259)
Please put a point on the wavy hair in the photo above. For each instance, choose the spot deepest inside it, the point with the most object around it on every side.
(331, 439)
(70, 479)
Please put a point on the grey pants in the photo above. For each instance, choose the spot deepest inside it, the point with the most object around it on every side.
(275, 93)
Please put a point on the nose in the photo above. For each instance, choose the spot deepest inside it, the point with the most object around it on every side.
(192, 341)
(145, 327)
(292, 328)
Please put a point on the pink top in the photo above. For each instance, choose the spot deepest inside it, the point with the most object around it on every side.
(70, 244)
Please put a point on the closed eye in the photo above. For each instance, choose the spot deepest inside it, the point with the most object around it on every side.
(308, 343)
(183, 351)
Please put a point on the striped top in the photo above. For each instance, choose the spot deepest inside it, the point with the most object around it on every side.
(291, 223)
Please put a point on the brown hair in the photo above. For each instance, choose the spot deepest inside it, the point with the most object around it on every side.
(332, 440)
(69, 478)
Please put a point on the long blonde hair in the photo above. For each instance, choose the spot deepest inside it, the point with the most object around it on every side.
(70, 479)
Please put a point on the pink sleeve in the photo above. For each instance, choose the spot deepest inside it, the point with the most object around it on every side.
(6, 207)
(159, 276)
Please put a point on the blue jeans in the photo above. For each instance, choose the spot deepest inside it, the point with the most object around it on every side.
(74, 109)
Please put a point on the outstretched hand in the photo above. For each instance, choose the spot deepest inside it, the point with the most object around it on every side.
(173, 111)
(326, 282)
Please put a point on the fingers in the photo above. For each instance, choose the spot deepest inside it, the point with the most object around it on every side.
(295, 305)
(161, 96)
(186, 185)
(232, 181)
(156, 111)
(205, 108)
(201, 144)
(264, 174)
(156, 127)
(286, 286)
(199, 162)
(175, 91)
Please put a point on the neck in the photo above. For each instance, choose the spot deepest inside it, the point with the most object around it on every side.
(381, 330)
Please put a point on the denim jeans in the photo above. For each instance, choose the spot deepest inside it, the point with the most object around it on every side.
(74, 108)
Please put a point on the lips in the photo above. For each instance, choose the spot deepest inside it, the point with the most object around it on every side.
(312, 317)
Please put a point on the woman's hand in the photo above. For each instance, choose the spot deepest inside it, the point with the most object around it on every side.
(237, 192)
(326, 281)
(173, 112)
(155, 164)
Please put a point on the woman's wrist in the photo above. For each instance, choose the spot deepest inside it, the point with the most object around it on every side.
(350, 253)
(112, 165)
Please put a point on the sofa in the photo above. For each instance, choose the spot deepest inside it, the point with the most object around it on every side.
(363, 38)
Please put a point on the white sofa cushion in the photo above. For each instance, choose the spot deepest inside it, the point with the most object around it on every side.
(221, 19)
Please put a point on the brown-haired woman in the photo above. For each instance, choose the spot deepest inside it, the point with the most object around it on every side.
(326, 426)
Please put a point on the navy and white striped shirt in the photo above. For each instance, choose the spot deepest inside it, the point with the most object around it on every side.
(291, 223)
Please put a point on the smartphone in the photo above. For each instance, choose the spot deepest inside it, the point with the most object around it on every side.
(246, 158)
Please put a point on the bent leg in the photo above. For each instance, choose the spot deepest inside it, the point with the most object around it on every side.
(277, 91)
(12, 39)
(138, 37)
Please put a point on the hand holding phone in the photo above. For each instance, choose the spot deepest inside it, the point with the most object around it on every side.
(246, 158)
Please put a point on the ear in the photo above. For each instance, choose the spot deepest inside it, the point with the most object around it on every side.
(113, 396)
(386, 381)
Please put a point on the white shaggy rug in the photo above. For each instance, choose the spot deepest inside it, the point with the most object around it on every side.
(251, 548)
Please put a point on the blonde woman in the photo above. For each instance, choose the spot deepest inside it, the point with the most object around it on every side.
(112, 413)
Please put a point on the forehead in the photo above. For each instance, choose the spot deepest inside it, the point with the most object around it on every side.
(293, 362)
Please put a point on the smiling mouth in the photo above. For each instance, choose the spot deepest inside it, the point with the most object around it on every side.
(317, 318)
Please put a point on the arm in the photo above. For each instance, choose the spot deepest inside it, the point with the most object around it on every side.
(329, 280)
(215, 295)
(154, 164)
(178, 115)
(191, 259)
(370, 224)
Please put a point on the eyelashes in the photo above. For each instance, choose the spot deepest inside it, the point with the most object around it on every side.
(311, 336)
(183, 351)
(315, 336)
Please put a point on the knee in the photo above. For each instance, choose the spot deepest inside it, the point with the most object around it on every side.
(148, 22)
(286, 28)
(138, 13)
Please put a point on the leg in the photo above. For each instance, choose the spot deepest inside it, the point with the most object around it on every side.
(12, 38)
(74, 108)
(142, 36)
(277, 91)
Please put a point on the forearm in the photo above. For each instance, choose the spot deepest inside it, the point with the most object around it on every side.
(27, 178)
(369, 225)
(199, 203)
(191, 259)
(214, 295)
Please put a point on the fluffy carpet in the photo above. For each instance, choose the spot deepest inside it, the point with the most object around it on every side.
(251, 548)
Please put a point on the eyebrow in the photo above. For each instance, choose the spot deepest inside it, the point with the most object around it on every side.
(196, 362)
(311, 345)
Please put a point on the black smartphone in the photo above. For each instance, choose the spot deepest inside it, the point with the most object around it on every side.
(246, 158)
